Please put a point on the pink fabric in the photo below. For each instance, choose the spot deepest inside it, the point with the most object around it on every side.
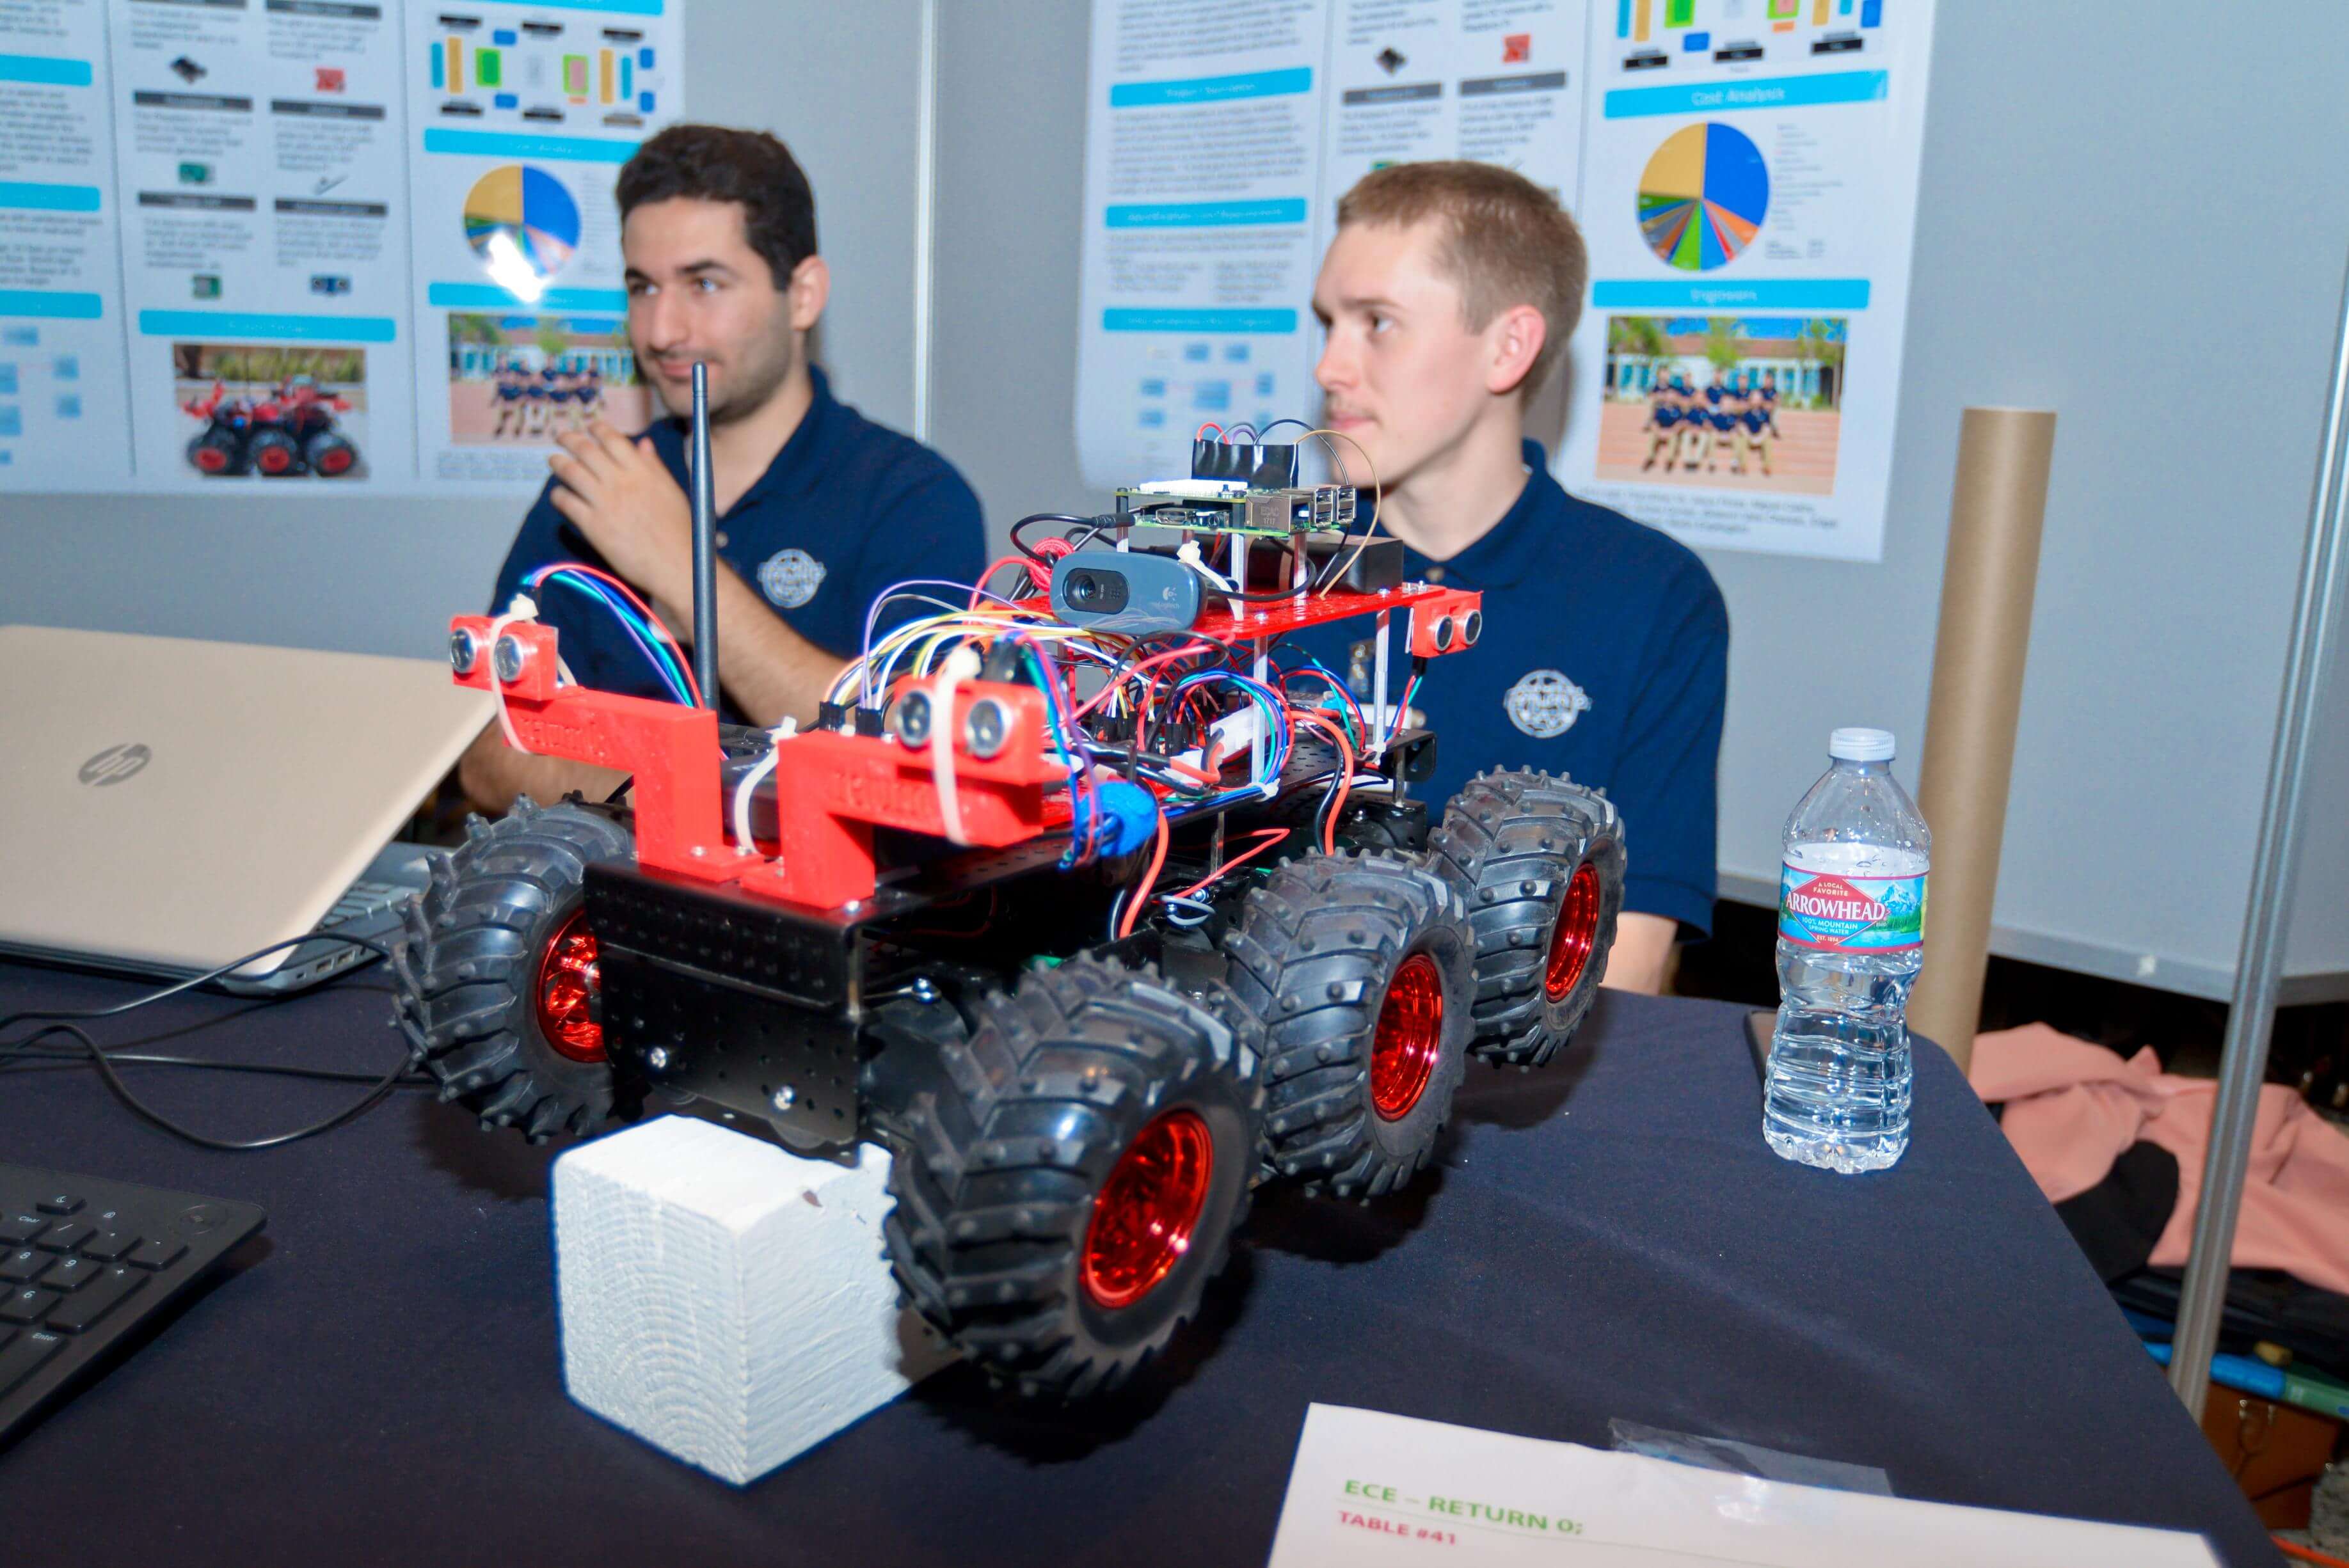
(2072, 1107)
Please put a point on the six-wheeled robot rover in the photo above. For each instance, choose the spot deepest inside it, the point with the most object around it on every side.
(286, 434)
(1074, 899)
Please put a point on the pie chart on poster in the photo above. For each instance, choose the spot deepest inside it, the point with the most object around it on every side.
(1703, 196)
(518, 217)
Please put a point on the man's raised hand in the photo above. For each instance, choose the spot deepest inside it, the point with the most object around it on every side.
(622, 497)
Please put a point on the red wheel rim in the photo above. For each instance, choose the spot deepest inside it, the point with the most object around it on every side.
(334, 461)
(567, 985)
(1576, 931)
(1148, 1209)
(274, 460)
(1410, 1036)
(212, 460)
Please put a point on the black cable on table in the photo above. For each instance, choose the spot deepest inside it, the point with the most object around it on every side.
(25, 1052)
(104, 1060)
(85, 1014)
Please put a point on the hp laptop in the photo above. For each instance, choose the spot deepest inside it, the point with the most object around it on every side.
(168, 806)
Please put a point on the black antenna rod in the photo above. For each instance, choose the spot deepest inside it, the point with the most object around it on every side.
(705, 547)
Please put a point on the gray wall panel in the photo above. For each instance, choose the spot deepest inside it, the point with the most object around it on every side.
(2079, 251)
(1011, 186)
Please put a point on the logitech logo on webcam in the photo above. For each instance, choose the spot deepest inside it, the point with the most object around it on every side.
(115, 764)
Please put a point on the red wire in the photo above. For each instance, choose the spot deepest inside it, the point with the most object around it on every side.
(1102, 695)
(1203, 429)
(1266, 838)
(1344, 695)
(1200, 775)
(998, 565)
(655, 622)
(1190, 703)
(1149, 880)
(1345, 774)
(1403, 703)
(2306, 1553)
(1040, 570)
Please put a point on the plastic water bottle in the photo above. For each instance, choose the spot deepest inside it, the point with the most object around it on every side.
(1852, 929)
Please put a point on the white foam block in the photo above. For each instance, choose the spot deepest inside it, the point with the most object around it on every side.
(725, 1299)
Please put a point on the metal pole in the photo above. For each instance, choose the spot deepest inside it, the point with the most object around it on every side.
(2251, 1013)
(926, 197)
(705, 547)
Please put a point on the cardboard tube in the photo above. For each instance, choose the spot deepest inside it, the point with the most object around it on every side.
(1987, 581)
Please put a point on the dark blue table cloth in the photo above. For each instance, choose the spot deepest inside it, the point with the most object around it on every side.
(379, 1379)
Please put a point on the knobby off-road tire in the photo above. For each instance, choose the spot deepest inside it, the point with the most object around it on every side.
(1073, 1183)
(272, 453)
(329, 454)
(229, 450)
(1515, 844)
(1362, 969)
(473, 965)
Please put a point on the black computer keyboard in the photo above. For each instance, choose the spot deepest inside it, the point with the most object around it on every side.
(85, 1261)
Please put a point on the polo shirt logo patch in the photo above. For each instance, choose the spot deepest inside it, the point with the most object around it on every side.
(791, 577)
(1544, 704)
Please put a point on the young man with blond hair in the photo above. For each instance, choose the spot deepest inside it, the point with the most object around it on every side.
(1449, 294)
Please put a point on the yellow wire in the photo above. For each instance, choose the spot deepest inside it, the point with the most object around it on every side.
(981, 626)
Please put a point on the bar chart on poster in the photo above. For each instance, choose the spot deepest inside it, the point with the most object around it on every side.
(525, 116)
(1744, 173)
(286, 242)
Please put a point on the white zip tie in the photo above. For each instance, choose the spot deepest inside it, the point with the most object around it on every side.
(752, 779)
(522, 608)
(959, 666)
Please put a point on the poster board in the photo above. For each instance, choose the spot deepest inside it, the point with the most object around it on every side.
(270, 244)
(1744, 173)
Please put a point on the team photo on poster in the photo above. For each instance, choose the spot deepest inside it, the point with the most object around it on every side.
(1738, 403)
(524, 380)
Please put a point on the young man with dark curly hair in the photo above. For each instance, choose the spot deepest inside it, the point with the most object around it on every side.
(819, 508)
(1449, 294)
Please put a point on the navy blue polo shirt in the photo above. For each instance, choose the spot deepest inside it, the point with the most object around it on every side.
(1605, 656)
(847, 508)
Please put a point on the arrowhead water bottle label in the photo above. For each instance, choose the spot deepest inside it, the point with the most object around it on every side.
(1832, 914)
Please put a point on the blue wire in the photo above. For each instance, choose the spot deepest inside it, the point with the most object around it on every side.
(651, 642)
(647, 641)
(1084, 820)
(1042, 663)
(646, 638)
(1280, 733)
(873, 610)
(1315, 666)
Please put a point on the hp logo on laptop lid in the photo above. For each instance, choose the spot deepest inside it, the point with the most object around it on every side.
(115, 764)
